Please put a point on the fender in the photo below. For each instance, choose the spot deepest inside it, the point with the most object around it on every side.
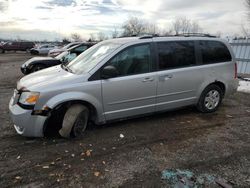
(70, 96)
(207, 83)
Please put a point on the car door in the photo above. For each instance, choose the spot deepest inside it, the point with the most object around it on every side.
(179, 77)
(133, 92)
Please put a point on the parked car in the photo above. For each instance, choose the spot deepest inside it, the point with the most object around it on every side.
(42, 49)
(56, 51)
(38, 63)
(16, 46)
(122, 78)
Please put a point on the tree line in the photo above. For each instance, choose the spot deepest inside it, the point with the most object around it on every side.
(135, 26)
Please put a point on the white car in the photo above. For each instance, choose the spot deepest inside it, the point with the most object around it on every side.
(56, 51)
(42, 49)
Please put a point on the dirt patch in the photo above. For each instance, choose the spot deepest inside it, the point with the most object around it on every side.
(217, 144)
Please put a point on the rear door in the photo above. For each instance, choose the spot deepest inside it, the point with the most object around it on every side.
(133, 92)
(178, 77)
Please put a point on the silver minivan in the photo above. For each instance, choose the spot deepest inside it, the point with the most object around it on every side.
(122, 78)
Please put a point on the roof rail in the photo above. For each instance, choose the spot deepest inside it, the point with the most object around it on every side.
(148, 36)
(195, 35)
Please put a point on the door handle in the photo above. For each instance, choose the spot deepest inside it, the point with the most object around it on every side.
(148, 79)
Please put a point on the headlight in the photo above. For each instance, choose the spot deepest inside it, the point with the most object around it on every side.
(29, 98)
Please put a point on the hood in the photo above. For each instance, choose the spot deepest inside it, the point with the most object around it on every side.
(52, 78)
(36, 59)
(57, 50)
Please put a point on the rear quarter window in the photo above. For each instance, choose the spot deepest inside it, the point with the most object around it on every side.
(214, 52)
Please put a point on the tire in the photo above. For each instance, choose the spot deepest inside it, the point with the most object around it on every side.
(75, 121)
(2, 51)
(34, 52)
(36, 68)
(210, 99)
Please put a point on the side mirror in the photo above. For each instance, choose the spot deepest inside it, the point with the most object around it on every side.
(109, 72)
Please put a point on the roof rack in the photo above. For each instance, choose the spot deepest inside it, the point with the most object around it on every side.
(195, 35)
(178, 35)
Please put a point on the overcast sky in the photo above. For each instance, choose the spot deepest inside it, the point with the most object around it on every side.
(53, 19)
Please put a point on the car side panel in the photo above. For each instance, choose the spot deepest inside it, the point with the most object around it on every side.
(129, 95)
(178, 87)
(219, 72)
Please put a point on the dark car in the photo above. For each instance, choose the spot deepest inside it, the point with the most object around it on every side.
(37, 63)
(16, 46)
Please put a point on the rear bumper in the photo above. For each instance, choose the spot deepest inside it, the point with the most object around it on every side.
(26, 124)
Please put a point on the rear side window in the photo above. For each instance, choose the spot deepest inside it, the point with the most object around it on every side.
(214, 52)
(176, 54)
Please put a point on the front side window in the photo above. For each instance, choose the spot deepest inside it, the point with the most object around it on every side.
(214, 52)
(133, 60)
(176, 54)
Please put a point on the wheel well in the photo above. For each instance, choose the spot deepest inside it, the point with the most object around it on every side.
(220, 85)
(54, 122)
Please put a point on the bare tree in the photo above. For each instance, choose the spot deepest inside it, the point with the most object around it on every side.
(248, 7)
(115, 33)
(75, 37)
(245, 31)
(65, 40)
(151, 28)
(101, 36)
(92, 37)
(183, 25)
(166, 32)
(218, 34)
(133, 26)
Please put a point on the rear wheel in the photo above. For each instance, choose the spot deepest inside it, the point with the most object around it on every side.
(210, 99)
(75, 121)
(36, 68)
(2, 51)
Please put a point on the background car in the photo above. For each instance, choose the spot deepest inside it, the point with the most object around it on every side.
(42, 49)
(57, 51)
(37, 63)
(16, 46)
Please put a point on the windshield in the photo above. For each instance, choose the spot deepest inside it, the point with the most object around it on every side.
(91, 57)
(61, 55)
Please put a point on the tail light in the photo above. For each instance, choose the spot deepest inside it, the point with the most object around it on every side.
(235, 70)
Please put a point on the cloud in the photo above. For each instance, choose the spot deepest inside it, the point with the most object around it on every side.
(34, 34)
(44, 7)
(3, 6)
(88, 16)
(62, 3)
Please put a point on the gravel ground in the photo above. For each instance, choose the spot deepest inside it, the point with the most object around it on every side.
(217, 144)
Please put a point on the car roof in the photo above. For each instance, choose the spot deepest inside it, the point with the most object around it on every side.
(142, 39)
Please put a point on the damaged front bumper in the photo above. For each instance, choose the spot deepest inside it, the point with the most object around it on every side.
(25, 123)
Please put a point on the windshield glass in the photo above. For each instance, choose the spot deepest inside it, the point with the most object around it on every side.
(61, 55)
(91, 57)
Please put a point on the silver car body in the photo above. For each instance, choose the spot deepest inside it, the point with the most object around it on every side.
(120, 97)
